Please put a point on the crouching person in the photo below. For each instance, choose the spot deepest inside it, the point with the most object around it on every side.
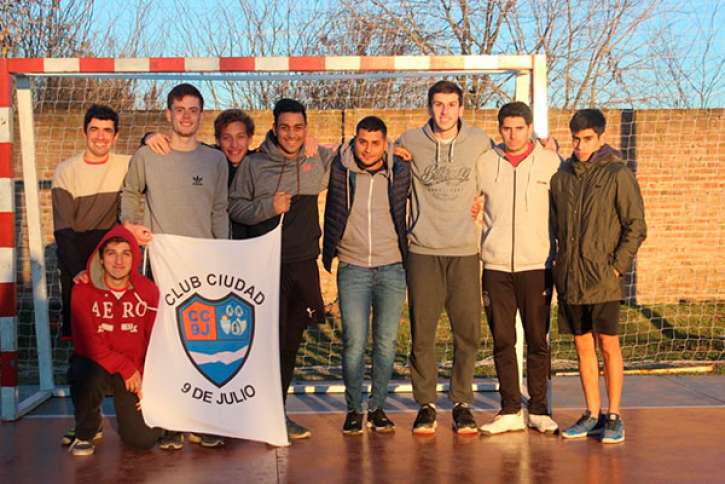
(113, 314)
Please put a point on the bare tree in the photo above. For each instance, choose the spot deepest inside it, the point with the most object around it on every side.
(444, 27)
(688, 63)
(67, 29)
(45, 28)
(243, 28)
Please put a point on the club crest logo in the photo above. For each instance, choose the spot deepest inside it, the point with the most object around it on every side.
(216, 334)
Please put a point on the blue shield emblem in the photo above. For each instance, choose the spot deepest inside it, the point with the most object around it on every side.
(216, 334)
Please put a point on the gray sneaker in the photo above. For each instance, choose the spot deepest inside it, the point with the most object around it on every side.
(613, 429)
(206, 440)
(586, 426)
(296, 431)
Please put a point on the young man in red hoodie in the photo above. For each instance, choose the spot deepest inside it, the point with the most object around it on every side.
(113, 314)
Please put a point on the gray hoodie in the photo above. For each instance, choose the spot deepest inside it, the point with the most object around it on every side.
(267, 171)
(444, 185)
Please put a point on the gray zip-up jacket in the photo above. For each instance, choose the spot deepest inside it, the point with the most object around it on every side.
(370, 239)
(185, 192)
(444, 185)
(517, 235)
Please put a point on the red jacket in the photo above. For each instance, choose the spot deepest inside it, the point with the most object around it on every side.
(114, 332)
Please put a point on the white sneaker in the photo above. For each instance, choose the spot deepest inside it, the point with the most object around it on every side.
(542, 423)
(505, 423)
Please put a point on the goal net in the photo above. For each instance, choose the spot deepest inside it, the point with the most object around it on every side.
(673, 313)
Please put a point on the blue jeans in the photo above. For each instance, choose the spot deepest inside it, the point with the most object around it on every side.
(359, 289)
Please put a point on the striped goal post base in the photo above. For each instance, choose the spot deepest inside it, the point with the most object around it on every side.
(530, 87)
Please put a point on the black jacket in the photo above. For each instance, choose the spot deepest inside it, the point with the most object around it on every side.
(598, 216)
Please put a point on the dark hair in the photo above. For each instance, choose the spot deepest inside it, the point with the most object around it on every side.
(588, 119)
(445, 87)
(516, 109)
(116, 239)
(229, 116)
(180, 91)
(104, 113)
(286, 105)
(372, 123)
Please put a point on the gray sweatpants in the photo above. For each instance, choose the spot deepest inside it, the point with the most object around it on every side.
(453, 283)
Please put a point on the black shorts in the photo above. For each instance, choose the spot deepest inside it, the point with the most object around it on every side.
(581, 319)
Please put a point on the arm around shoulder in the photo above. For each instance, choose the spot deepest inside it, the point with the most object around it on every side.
(245, 206)
(134, 186)
(219, 217)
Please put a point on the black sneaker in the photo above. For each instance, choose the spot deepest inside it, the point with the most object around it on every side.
(463, 421)
(379, 422)
(70, 435)
(353, 424)
(425, 422)
(171, 441)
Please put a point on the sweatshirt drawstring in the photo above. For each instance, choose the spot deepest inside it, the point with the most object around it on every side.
(281, 173)
(297, 164)
(498, 169)
(528, 182)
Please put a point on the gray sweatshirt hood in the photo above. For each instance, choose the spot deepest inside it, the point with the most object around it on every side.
(347, 158)
(270, 147)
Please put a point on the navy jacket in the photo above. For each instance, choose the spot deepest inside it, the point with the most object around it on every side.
(337, 209)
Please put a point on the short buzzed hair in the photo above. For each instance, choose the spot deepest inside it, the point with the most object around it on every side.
(588, 119)
(372, 123)
(516, 109)
(229, 116)
(180, 91)
(445, 87)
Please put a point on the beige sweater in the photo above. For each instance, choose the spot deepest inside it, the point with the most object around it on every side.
(516, 230)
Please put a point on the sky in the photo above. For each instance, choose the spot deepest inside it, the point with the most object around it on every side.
(162, 38)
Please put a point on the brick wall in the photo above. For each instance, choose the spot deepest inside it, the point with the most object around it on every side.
(678, 156)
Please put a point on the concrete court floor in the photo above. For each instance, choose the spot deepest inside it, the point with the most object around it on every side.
(675, 433)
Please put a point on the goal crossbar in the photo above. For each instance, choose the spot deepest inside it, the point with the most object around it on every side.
(530, 87)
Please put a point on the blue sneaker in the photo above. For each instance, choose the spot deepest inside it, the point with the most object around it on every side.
(613, 429)
(584, 427)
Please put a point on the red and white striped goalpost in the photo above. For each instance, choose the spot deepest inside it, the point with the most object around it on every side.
(530, 88)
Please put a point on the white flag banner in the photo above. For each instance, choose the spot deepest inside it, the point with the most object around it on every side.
(212, 364)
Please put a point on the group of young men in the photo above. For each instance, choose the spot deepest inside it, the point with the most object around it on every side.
(397, 216)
